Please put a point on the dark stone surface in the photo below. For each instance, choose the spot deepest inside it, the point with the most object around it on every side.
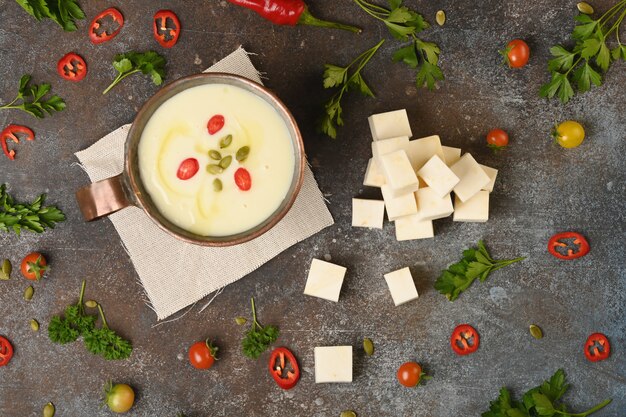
(541, 189)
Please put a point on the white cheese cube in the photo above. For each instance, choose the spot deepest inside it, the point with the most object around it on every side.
(401, 286)
(333, 364)
(421, 150)
(368, 213)
(492, 173)
(440, 179)
(404, 205)
(412, 228)
(451, 155)
(390, 124)
(476, 209)
(430, 206)
(385, 146)
(472, 177)
(374, 177)
(324, 280)
(399, 174)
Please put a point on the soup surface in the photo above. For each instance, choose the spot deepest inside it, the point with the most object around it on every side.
(216, 160)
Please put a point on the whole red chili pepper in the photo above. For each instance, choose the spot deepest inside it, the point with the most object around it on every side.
(72, 67)
(556, 241)
(114, 14)
(164, 34)
(290, 13)
(9, 133)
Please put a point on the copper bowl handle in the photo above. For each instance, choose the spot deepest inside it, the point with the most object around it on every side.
(102, 198)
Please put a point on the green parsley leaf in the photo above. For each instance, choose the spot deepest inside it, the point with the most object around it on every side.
(34, 217)
(585, 75)
(32, 102)
(334, 76)
(559, 86)
(428, 75)
(63, 12)
(149, 63)
(563, 59)
(587, 27)
(259, 338)
(408, 55)
(619, 53)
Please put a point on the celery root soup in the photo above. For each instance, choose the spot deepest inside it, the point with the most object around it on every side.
(216, 159)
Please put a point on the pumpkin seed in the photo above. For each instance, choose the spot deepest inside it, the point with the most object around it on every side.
(440, 17)
(226, 161)
(91, 304)
(48, 410)
(368, 346)
(215, 155)
(34, 324)
(217, 184)
(28, 293)
(226, 141)
(347, 413)
(6, 270)
(242, 153)
(214, 169)
(241, 320)
(585, 8)
(535, 331)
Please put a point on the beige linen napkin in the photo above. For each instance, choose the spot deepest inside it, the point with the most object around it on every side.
(176, 274)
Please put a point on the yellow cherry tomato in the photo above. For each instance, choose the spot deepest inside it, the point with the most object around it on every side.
(569, 134)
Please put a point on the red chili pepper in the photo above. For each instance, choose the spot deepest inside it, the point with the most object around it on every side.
(281, 360)
(72, 67)
(188, 168)
(162, 29)
(215, 124)
(597, 347)
(243, 179)
(6, 351)
(289, 12)
(464, 340)
(103, 36)
(556, 241)
(9, 133)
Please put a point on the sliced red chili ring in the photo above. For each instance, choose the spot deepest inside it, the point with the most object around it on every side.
(559, 247)
(72, 67)
(284, 368)
(9, 133)
(166, 28)
(6, 351)
(95, 35)
(465, 339)
(597, 347)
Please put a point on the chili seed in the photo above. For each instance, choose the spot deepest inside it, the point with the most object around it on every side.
(217, 185)
(34, 324)
(242, 153)
(225, 162)
(48, 410)
(347, 413)
(241, 320)
(6, 270)
(368, 346)
(214, 169)
(28, 293)
(535, 331)
(91, 304)
(215, 155)
(440, 17)
(226, 141)
(584, 8)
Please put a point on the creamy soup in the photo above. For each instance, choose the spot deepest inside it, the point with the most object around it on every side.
(216, 159)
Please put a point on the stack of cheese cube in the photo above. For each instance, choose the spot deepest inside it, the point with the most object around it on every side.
(416, 178)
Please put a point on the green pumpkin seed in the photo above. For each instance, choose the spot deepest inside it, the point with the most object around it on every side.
(34, 324)
(226, 161)
(214, 169)
(6, 270)
(440, 17)
(226, 141)
(215, 155)
(242, 153)
(368, 346)
(241, 320)
(48, 410)
(536, 332)
(347, 413)
(91, 304)
(584, 8)
(217, 185)
(28, 293)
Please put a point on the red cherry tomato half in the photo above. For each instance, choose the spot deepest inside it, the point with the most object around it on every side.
(6, 351)
(497, 139)
(464, 340)
(517, 53)
(202, 355)
(597, 347)
(72, 67)
(564, 252)
(97, 36)
(243, 179)
(409, 374)
(166, 28)
(284, 368)
(215, 124)
(188, 168)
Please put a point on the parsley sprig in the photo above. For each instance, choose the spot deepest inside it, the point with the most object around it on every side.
(61, 11)
(34, 217)
(32, 99)
(344, 78)
(539, 401)
(476, 263)
(404, 24)
(149, 63)
(258, 338)
(590, 56)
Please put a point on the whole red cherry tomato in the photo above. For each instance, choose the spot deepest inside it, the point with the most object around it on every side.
(202, 354)
(516, 53)
(497, 139)
(410, 374)
(33, 266)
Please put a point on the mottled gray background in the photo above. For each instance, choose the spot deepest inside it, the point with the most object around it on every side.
(541, 189)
